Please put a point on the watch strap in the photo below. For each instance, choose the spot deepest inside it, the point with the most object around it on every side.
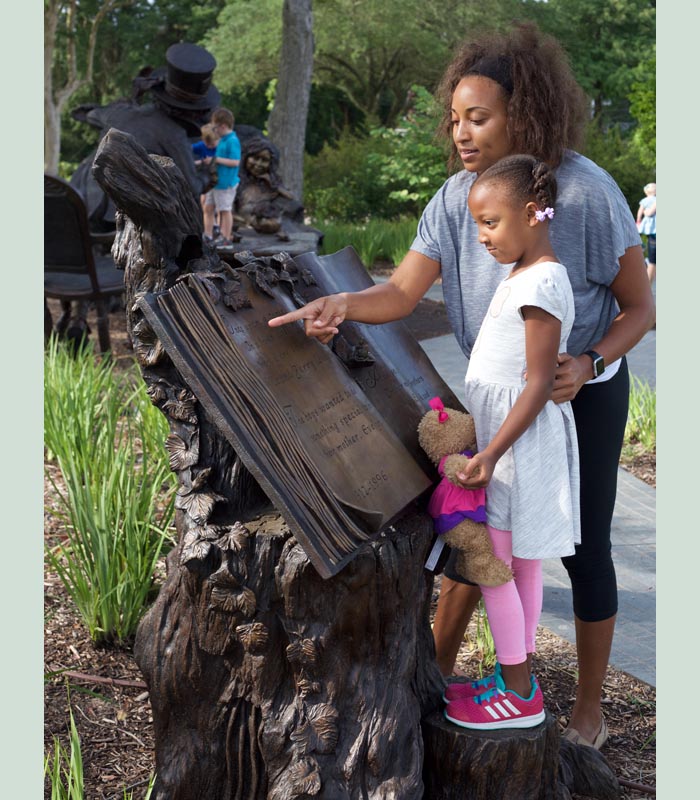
(598, 362)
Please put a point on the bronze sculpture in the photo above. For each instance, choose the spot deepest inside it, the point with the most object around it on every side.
(267, 681)
(262, 202)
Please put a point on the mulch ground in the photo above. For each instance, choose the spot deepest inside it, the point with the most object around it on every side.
(108, 698)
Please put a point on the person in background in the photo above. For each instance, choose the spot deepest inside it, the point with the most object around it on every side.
(203, 151)
(223, 195)
(646, 224)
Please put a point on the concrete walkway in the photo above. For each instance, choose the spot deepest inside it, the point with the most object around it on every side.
(633, 532)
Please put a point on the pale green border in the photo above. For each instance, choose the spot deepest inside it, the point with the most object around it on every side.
(21, 64)
(678, 284)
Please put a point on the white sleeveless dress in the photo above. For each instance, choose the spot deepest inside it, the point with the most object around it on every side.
(534, 491)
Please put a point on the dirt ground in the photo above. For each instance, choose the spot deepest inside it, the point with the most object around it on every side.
(109, 700)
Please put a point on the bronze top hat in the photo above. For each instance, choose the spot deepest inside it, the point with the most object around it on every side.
(186, 81)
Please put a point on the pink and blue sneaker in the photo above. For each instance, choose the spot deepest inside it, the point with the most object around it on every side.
(498, 708)
(459, 691)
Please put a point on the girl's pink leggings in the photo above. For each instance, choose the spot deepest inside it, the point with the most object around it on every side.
(514, 608)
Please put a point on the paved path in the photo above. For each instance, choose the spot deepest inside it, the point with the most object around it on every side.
(633, 532)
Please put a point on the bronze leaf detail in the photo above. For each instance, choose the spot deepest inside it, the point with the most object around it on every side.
(253, 636)
(181, 456)
(323, 718)
(304, 777)
(193, 548)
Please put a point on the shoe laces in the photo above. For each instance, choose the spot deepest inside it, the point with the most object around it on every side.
(488, 696)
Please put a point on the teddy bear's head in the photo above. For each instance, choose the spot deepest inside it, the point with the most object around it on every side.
(444, 431)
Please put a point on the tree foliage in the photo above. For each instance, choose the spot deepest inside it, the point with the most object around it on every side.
(68, 66)
(372, 50)
(643, 109)
(605, 40)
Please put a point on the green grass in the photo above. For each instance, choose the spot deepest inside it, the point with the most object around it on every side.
(483, 640)
(64, 769)
(376, 240)
(641, 419)
(116, 493)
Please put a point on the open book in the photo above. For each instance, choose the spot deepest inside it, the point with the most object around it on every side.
(328, 432)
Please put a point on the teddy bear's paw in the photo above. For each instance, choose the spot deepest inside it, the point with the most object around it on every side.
(453, 464)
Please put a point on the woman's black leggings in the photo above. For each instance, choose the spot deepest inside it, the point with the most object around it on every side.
(600, 411)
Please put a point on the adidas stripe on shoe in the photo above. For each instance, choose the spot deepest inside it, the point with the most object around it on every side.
(498, 708)
(459, 691)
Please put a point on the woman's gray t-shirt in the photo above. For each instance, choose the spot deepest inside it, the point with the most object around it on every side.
(591, 229)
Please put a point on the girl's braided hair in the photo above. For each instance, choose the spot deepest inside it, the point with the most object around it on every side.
(526, 178)
(546, 107)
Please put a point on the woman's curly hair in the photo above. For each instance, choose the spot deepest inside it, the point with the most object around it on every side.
(547, 107)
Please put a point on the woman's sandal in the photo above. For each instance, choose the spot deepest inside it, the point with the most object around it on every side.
(575, 737)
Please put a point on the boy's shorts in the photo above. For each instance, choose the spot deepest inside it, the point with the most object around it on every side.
(221, 199)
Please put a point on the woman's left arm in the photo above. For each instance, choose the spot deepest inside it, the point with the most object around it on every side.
(637, 314)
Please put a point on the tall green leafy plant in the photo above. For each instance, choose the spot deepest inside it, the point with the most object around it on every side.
(116, 490)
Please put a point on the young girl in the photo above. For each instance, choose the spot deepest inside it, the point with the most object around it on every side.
(528, 456)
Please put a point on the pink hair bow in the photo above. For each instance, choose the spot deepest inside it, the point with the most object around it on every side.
(540, 216)
(437, 405)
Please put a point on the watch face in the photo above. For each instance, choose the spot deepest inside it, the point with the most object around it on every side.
(598, 366)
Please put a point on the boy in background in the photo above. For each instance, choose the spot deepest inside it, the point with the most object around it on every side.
(203, 151)
(221, 197)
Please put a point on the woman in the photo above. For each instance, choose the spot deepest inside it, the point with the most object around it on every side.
(515, 93)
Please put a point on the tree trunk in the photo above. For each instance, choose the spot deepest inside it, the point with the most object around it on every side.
(268, 682)
(287, 122)
(52, 137)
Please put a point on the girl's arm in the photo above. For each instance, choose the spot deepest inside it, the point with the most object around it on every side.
(637, 314)
(227, 162)
(542, 334)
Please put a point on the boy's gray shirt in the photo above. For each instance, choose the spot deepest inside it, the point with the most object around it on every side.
(591, 229)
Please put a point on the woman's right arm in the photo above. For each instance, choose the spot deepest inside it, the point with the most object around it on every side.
(383, 302)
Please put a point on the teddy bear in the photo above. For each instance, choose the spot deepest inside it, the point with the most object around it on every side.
(448, 437)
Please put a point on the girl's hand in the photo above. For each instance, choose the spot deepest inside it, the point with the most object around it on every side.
(570, 375)
(478, 472)
(321, 317)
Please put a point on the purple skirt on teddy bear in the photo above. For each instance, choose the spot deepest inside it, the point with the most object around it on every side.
(450, 504)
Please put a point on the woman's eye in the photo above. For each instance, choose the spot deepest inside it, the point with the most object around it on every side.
(477, 121)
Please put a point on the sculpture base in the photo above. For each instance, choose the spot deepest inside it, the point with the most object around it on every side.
(303, 240)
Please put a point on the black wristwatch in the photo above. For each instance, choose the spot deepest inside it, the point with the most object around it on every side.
(598, 362)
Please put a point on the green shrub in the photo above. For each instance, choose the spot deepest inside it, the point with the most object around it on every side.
(391, 173)
(617, 154)
(412, 168)
(117, 495)
(340, 183)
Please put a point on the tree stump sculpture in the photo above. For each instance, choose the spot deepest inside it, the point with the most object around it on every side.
(267, 681)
